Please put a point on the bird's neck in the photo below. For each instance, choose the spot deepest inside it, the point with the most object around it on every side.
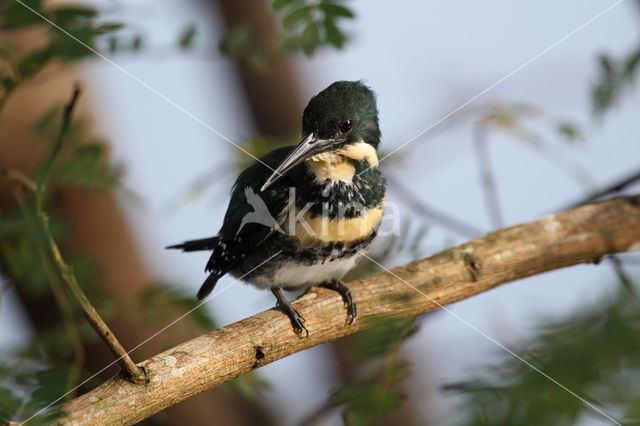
(340, 166)
(344, 182)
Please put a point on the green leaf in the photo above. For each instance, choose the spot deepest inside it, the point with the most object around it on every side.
(108, 28)
(162, 295)
(310, 39)
(22, 263)
(53, 384)
(290, 44)
(112, 44)
(7, 82)
(88, 167)
(603, 334)
(16, 16)
(9, 404)
(296, 16)
(251, 386)
(280, 4)
(239, 39)
(66, 16)
(35, 61)
(187, 36)
(48, 124)
(137, 42)
(333, 10)
(367, 403)
(631, 64)
(569, 131)
(332, 34)
(67, 49)
(382, 338)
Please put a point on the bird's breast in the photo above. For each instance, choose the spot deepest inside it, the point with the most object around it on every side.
(313, 229)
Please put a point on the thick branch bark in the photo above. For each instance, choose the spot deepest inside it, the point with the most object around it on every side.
(581, 235)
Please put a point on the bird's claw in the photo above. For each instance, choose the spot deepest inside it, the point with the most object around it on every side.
(352, 311)
(347, 298)
(296, 318)
(297, 321)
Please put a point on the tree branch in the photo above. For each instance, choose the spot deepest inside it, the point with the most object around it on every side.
(581, 235)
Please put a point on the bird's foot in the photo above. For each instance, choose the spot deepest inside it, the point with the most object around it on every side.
(347, 297)
(297, 320)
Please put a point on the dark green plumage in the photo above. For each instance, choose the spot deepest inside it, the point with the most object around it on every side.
(331, 172)
(339, 102)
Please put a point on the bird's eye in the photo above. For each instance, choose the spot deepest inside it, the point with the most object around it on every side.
(346, 126)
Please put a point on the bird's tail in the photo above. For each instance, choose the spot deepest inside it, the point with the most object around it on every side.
(195, 245)
(208, 285)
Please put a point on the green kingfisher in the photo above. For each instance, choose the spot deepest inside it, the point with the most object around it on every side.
(302, 214)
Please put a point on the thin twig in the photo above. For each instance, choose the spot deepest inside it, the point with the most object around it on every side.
(610, 189)
(442, 218)
(133, 372)
(70, 325)
(626, 281)
(487, 179)
(63, 305)
(17, 177)
(57, 146)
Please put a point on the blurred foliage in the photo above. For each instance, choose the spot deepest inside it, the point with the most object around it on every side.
(526, 122)
(25, 387)
(594, 353)
(374, 390)
(309, 25)
(77, 21)
(51, 364)
(188, 36)
(251, 386)
(306, 25)
(616, 77)
(259, 145)
(152, 305)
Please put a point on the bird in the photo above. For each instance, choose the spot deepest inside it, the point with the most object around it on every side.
(303, 215)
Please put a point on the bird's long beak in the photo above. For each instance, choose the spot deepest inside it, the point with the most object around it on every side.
(309, 145)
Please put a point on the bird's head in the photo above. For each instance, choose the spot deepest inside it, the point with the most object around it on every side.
(341, 116)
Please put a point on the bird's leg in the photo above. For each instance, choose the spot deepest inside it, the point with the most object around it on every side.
(297, 320)
(347, 297)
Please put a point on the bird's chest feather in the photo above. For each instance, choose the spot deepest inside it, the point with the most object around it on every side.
(341, 201)
(313, 229)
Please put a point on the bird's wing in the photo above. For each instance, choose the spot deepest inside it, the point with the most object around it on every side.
(252, 216)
